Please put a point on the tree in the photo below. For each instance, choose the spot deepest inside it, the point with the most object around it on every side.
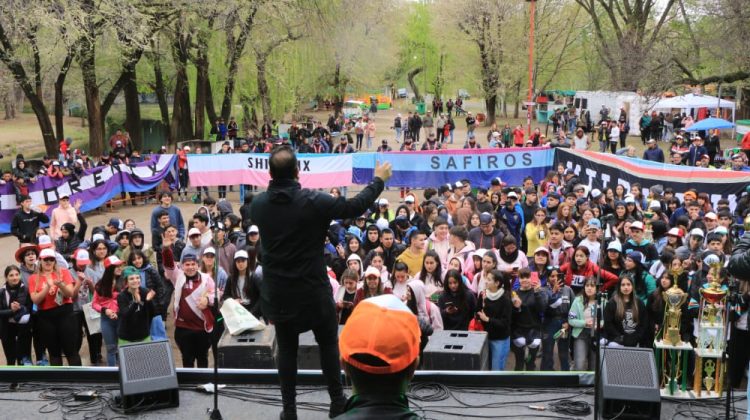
(626, 35)
(19, 22)
(482, 21)
(418, 53)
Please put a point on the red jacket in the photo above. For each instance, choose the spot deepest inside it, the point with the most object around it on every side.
(577, 278)
(745, 144)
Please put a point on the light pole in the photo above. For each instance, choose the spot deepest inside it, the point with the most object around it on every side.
(530, 95)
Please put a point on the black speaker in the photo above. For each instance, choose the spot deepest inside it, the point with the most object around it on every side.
(148, 379)
(456, 350)
(629, 386)
(308, 352)
(249, 350)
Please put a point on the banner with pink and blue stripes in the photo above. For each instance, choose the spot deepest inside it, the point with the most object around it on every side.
(315, 170)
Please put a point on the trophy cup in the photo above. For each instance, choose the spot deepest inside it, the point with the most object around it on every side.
(674, 298)
(713, 295)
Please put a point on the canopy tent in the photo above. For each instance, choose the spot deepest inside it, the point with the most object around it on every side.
(692, 101)
(710, 124)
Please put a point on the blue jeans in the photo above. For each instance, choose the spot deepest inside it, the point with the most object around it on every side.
(549, 329)
(499, 353)
(398, 134)
(109, 332)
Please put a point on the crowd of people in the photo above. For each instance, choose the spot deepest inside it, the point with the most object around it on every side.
(523, 263)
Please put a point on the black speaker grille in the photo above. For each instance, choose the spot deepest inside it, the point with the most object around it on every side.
(145, 362)
(622, 368)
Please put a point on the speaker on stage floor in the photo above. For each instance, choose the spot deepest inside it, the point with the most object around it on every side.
(308, 352)
(249, 350)
(629, 386)
(148, 379)
(456, 350)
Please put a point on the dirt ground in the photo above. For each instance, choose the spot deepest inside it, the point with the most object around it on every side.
(141, 213)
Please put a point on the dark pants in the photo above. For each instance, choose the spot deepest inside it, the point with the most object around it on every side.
(359, 140)
(183, 178)
(222, 191)
(94, 340)
(549, 329)
(738, 353)
(57, 327)
(320, 317)
(16, 342)
(194, 347)
(39, 350)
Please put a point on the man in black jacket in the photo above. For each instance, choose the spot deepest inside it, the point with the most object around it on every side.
(296, 294)
(26, 221)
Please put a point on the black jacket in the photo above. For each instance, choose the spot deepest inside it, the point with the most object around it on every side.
(18, 294)
(372, 406)
(500, 312)
(459, 320)
(739, 262)
(24, 225)
(614, 330)
(134, 318)
(293, 223)
(66, 247)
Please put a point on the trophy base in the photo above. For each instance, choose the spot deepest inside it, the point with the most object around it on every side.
(690, 395)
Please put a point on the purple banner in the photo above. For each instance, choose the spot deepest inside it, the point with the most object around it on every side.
(94, 188)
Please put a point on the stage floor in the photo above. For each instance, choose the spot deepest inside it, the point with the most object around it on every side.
(42, 401)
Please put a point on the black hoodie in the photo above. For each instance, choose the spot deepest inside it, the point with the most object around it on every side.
(293, 223)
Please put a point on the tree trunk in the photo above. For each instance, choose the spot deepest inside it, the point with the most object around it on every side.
(181, 126)
(60, 97)
(340, 88)
(410, 76)
(210, 108)
(161, 94)
(516, 106)
(263, 91)
(236, 52)
(133, 108)
(491, 104)
(201, 98)
(91, 91)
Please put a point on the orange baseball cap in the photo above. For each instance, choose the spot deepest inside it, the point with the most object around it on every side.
(383, 327)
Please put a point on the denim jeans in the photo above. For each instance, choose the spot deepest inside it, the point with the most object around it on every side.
(398, 134)
(109, 332)
(499, 353)
(318, 315)
(549, 329)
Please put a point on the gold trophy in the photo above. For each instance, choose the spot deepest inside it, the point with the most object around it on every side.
(713, 295)
(674, 298)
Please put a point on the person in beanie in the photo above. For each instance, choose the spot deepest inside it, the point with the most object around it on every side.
(135, 309)
(379, 348)
(296, 294)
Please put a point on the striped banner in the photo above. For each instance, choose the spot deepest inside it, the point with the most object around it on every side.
(480, 166)
(602, 170)
(315, 170)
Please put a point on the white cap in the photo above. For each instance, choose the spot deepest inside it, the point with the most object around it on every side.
(372, 271)
(636, 225)
(409, 199)
(383, 202)
(697, 232)
(79, 161)
(458, 184)
(512, 194)
(615, 245)
(654, 205)
(721, 230)
(240, 254)
(382, 223)
(629, 199)
(253, 229)
(495, 134)
(711, 215)
(44, 241)
(47, 253)
(186, 148)
(55, 163)
(193, 231)
(209, 250)
(595, 193)
(97, 237)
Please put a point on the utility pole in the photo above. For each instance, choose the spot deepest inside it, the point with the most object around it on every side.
(529, 97)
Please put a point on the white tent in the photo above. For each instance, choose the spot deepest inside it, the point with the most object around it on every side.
(693, 101)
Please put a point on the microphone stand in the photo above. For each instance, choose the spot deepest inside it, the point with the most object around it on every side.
(215, 413)
(598, 315)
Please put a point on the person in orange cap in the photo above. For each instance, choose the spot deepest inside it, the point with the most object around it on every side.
(379, 348)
